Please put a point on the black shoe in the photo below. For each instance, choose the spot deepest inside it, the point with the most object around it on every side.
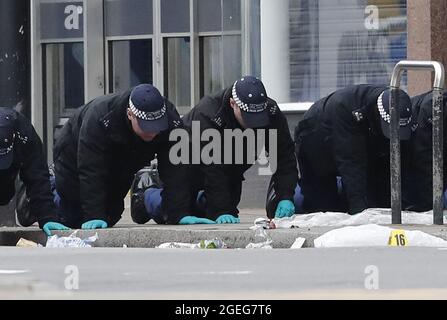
(144, 179)
(23, 213)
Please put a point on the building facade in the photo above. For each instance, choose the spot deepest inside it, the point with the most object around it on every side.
(57, 54)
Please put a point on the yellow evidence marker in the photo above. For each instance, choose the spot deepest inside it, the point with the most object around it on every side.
(398, 239)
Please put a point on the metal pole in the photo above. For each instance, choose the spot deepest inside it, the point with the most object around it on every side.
(437, 139)
(438, 185)
(395, 173)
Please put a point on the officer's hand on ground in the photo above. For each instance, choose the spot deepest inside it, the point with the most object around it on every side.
(94, 224)
(285, 208)
(195, 220)
(227, 218)
(53, 226)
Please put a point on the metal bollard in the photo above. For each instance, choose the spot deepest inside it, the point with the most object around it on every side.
(396, 188)
(438, 167)
(396, 192)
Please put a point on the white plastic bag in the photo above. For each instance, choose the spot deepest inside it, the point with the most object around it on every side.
(262, 240)
(70, 242)
(215, 243)
(177, 245)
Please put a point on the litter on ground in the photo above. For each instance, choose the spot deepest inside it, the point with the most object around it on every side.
(24, 243)
(203, 244)
(70, 242)
(262, 239)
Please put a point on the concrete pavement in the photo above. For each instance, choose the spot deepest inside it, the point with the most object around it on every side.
(150, 235)
(367, 273)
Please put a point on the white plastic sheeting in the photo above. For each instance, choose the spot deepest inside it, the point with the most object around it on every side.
(374, 236)
(339, 219)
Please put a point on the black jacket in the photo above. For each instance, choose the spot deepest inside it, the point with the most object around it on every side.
(97, 155)
(31, 164)
(346, 140)
(222, 182)
(423, 151)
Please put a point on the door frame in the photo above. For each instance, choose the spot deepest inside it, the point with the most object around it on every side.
(94, 76)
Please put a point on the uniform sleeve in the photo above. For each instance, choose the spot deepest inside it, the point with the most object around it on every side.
(35, 175)
(423, 154)
(351, 158)
(93, 168)
(286, 176)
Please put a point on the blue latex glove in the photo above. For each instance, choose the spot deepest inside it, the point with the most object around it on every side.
(227, 218)
(94, 224)
(53, 226)
(285, 208)
(195, 220)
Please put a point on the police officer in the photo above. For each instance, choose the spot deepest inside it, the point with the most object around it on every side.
(244, 106)
(21, 153)
(346, 134)
(422, 166)
(101, 148)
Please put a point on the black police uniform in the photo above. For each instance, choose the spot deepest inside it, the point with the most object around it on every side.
(222, 183)
(341, 135)
(29, 162)
(422, 166)
(97, 155)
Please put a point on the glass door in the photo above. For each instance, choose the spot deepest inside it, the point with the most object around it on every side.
(130, 63)
(67, 61)
(130, 49)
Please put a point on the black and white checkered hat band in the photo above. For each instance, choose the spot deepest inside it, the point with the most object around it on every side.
(5, 151)
(149, 116)
(252, 108)
(386, 117)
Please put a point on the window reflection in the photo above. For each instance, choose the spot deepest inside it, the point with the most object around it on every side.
(210, 65)
(177, 71)
(330, 46)
(63, 86)
(130, 64)
(64, 76)
(220, 62)
(232, 55)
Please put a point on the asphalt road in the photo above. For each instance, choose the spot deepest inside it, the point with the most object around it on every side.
(223, 274)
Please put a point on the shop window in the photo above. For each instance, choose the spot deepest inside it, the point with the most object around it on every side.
(175, 16)
(220, 62)
(332, 45)
(63, 65)
(130, 64)
(128, 17)
(177, 70)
